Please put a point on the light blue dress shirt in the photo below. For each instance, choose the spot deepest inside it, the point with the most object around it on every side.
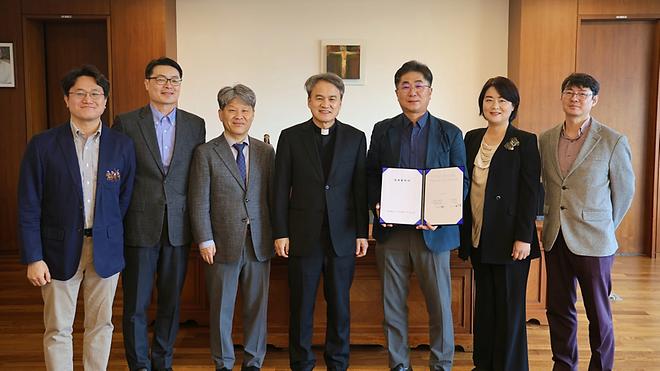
(165, 130)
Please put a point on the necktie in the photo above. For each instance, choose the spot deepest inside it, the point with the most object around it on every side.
(240, 160)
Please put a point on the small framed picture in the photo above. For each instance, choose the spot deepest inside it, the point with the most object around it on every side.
(344, 58)
(7, 79)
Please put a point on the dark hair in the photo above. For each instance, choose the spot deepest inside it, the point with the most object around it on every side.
(506, 88)
(581, 80)
(162, 61)
(238, 91)
(328, 77)
(85, 70)
(413, 66)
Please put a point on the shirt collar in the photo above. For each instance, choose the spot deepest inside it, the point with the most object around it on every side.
(421, 121)
(158, 116)
(231, 140)
(585, 125)
(77, 133)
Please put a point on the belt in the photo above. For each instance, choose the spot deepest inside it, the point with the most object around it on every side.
(87, 232)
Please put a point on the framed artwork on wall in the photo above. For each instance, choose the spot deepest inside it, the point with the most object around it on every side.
(344, 58)
(7, 78)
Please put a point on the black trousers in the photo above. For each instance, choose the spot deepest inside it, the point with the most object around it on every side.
(304, 273)
(500, 332)
(166, 265)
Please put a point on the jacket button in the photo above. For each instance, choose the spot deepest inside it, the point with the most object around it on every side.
(564, 188)
(562, 208)
(247, 200)
(327, 187)
(498, 197)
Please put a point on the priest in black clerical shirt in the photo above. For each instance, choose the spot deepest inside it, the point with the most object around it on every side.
(320, 219)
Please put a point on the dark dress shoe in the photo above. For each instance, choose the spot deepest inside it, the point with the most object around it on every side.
(222, 369)
(250, 368)
(400, 367)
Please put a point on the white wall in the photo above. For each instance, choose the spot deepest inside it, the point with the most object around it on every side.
(273, 46)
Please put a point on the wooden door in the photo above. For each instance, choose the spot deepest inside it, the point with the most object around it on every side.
(69, 45)
(621, 55)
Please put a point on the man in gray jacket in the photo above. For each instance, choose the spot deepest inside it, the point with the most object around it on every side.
(589, 186)
(230, 192)
(157, 226)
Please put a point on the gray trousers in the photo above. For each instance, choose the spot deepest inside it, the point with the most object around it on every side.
(223, 281)
(404, 253)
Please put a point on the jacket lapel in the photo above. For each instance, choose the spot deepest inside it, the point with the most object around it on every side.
(394, 140)
(554, 142)
(227, 157)
(181, 135)
(473, 148)
(309, 142)
(254, 160)
(339, 141)
(65, 141)
(146, 123)
(593, 137)
(510, 133)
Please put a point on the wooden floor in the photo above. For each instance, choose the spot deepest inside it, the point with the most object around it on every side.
(636, 320)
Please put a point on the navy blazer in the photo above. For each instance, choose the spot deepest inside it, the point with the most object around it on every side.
(445, 148)
(302, 195)
(50, 202)
(510, 199)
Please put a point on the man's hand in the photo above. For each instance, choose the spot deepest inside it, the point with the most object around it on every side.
(282, 247)
(38, 273)
(361, 246)
(520, 250)
(427, 227)
(207, 253)
(378, 217)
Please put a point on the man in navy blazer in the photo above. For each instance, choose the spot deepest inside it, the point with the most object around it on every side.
(74, 189)
(415, 139)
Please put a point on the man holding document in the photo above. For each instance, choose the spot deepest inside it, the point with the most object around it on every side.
(412, 240)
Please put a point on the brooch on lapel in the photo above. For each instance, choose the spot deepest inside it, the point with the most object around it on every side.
(512, 143)
(113, 175)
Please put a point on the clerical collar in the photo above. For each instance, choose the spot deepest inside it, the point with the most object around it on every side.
(325, 132)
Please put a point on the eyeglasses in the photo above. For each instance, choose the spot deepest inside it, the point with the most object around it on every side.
(405, 87)
(81, 94)
(162, 80)
(577, 94)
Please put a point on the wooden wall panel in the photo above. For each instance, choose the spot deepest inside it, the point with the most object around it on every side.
(543, 34)
(619, 7)
(12, 140)
(140, 31)
(68, 7)
(625, 105)
(69, 45)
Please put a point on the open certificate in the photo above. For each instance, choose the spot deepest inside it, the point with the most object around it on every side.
(414, 196)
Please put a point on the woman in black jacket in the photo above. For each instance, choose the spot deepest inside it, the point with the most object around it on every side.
(498, 231)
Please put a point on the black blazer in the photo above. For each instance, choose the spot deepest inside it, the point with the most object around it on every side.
(510, 200)
(300, 190)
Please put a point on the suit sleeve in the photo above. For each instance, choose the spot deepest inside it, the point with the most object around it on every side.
(622, 180)
(199, 194)
(457, 157)
(126, 190)
(374, 168)
(270, 192)
(528, 187)
(360, 190)
(30, 195)
(282, 192)
(201, 137)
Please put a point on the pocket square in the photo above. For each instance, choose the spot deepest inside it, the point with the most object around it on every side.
(113, 175)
